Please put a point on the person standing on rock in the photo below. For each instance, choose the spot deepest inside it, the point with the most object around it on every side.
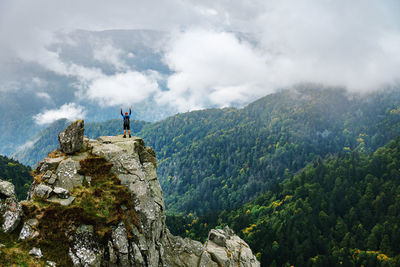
(126, 122)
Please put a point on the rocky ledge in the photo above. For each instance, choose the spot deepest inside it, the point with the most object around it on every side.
(99, 203)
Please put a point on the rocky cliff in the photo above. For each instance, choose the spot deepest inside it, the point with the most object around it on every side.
(99, 203)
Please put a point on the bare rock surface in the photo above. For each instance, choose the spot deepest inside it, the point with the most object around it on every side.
(29, 231)
(6, 188)
(67, 173)
(71, 139)
(10, 208)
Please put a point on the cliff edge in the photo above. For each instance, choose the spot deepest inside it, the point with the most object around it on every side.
(99, 203)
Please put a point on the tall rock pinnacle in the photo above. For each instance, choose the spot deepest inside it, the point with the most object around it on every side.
(103, 206)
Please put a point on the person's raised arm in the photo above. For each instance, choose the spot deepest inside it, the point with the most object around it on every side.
(130, 111)
(121, 113)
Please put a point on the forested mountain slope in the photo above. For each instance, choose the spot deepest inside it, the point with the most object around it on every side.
(344, 210)
(220, 158)
(18, 174)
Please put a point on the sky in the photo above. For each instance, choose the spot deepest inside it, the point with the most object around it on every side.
(219, 53)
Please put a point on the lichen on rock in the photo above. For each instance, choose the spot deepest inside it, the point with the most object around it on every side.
(10, 208)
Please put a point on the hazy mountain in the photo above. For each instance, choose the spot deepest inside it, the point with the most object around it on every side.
(27, 88)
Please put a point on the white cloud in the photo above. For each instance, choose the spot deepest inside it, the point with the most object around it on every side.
(214, 67)
(123, 88)
(107, 53)
(70, 111)
(43, 95)
(340, 43)
(335, 43)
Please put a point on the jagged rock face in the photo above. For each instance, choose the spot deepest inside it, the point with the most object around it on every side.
(71, 139)
(142, 240)
(10, 208)
(135, 167)
(227, 249)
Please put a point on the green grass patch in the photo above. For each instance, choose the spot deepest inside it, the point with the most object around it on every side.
(16, 252)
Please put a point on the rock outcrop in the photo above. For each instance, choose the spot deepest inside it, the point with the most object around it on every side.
(71, 139)
(103, 206)
(10, 208)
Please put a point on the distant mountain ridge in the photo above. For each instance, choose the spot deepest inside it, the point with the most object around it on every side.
(220, 158)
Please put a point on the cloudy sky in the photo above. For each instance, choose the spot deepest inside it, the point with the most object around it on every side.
(218, 53)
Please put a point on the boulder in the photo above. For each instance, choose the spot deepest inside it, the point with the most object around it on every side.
(71, 139)
(28, 230)
(36, 252)
(10, 208)
(61, 192)
(6, 189)
(42, 191)
(227, 249)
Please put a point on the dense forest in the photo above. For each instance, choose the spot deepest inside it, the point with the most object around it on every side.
(221, 158)
(344, 210)
(13, 171)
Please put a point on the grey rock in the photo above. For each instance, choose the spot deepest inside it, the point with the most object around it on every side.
(218, 254)
(206, 261)
(42, 191)
(181, 252)
(217, 237)
(28, 230)
(136, 256)
(67, 173)
(61, 192)
(49, 164)
(64, 202)
(11, 211)
(86, 249)
(51, 264)
(47, 176)
(36, 252)
(6, 189)
(52, 179)
(120, 238)
(71, 139)
(227, 249)
(113, 258)
(120, 241)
